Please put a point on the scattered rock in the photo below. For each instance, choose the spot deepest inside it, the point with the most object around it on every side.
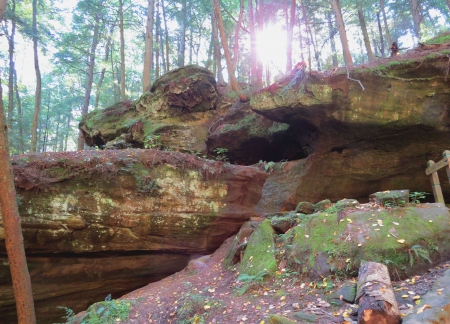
(305, 207)
(390, 198)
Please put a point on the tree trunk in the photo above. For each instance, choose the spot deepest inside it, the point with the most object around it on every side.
(316, 51)
(211, 47)
(90, 77)
(448, 4)
(362, 22)
(157, 41)
(37, 102)
(3, 4)
(236, 35)
(166, 36)
(375, 296)
(260, 17)
(290, 34)
(386, 27)
(217, 55)
(148, 56)
(380, 31)
(182, 45)
(19, 114)
(332, 43)
(233, 81)
(12, 67)
(335, 5)
(45, 140)
(122, 53)
(13, 231)
(106, 60)
(415, 12)
(253, 53)
(308, 32)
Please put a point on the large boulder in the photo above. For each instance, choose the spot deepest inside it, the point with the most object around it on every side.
(365, 136)
(174, 113)
(120, 219)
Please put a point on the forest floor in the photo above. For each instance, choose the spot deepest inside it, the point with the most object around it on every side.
(214, 295)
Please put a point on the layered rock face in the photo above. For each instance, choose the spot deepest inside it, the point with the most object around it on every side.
(174, 113)
(110, 221)
(361, 140)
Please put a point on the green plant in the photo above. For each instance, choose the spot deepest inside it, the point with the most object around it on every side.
(152, 141)
(251, 280)
(194, 308)
(69, 314)
(221, 154)
(416, 196)
(395, 202)
(268, 166)
(146, 184)
(417, 251)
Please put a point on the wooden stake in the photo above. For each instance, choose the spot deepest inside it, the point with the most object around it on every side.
(375, 296)
(435, 185)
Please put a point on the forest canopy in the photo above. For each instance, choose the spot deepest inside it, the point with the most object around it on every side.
(62, 59)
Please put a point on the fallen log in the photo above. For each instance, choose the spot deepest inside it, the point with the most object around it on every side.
(375, 296)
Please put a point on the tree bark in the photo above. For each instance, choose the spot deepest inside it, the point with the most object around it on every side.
(182, 45)
(415, 12)
(157, 41)
(19, 114)
(380, 32)
(386, 27)
(148, 56)
(217, 54)
(12, 67)
(253, 53)
(375, 296)
(332, 43)
(166, 36)
(335, 5)
(233, 81)
(290, 35)
(362, 22)
(122, 53)
(90, 77)
(236, 35)
(37, 102)
(13, 231)
(308, 32)
(3, 5)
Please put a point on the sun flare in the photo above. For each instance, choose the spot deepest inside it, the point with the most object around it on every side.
(271, 47)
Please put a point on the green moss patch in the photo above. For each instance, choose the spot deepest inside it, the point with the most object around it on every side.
(260, 253)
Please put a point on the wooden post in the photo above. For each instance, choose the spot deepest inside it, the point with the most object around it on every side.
(446, 156)
(435, 185)
(375, 296)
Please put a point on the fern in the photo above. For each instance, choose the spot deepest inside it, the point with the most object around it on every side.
(419, 252)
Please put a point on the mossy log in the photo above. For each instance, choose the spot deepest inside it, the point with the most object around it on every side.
(375, 296)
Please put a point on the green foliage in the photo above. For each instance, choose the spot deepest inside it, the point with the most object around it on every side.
(251, 280)
(152, 141)
(195, 308)
(268, 166)
(415, 196)
(418, 252)
(221, 154)
(146, 184)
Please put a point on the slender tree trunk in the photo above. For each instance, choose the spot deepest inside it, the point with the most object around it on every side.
(332, 43)
(45, 140)
(13, 230)
(290, 34)
(166, 36)
(335, 5)
(300, 39)
(260, 17)
(362, 22)
(236, 35)
(233, 81)
(448, 5)
(380, 32)
(308, 32)
(386, 27)
(19, 114)
(37, 103)
(12, 67)
(316, 50)
(3, 4)
(106, 60)
(182, 45)
(148, 56)
(90, 77)
(211, 47)
(217, 55)
(416, 15)
(122, 53)
(66, 139)
(253, 52)
(157, 41)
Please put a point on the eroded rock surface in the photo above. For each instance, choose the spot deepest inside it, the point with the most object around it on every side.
(114, 207)
(174, 113)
